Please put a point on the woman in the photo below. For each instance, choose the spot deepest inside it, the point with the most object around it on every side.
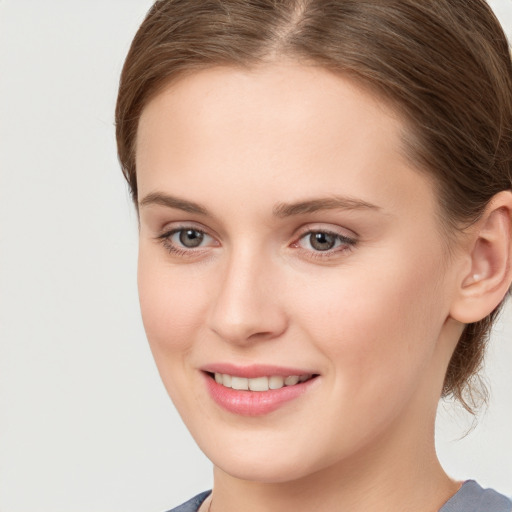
(325, 202)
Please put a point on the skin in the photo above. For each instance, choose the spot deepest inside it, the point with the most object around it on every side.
(372, 318)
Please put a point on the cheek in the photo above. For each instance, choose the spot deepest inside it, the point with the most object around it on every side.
(172, 307)
(171, 304)
(378, 324)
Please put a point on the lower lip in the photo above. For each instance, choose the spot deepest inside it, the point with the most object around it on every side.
(254, 403)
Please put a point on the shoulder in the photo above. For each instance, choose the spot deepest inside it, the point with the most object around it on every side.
(473, 498)
(193, 504)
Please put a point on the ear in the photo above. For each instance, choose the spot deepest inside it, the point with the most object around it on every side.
(484, 285)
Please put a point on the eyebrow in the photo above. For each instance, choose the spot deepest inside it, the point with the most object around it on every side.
(172, 202)
(280, 210)
(315, 205)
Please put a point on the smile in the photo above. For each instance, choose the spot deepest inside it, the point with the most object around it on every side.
(257, 390)
(260, 384)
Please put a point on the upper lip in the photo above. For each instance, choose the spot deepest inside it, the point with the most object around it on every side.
(254, 370)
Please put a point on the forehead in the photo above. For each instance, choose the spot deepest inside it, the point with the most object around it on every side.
(282, 95)
(279, 128)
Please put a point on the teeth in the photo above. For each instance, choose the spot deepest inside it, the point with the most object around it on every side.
(291, 380)
(239, 383)
(276, 382)
(259, 383)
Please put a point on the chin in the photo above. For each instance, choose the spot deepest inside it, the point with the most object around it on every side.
(270, 471)
(274, 463)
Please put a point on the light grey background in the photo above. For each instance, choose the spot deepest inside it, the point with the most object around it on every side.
(85, 424)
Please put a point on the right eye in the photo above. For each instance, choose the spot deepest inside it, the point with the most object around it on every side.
(186, 239)
(189, 238)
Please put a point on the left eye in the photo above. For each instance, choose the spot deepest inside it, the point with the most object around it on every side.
(322, 241)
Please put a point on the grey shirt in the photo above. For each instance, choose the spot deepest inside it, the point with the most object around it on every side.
(470, 498)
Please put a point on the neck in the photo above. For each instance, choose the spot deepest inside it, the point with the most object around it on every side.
(395, 474)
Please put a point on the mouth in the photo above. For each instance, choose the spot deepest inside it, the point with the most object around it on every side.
(256, 391)
(259, 384)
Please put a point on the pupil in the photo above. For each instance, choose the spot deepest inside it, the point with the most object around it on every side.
(322, 241)
(191, 237)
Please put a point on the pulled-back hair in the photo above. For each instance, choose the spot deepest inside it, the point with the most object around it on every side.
(444, 66)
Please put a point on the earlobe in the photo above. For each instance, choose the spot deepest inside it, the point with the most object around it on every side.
(490, 275)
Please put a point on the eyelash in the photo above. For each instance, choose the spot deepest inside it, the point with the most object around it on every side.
(165, 239)
(346, 244)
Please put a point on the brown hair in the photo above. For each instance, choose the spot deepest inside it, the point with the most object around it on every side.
(444, 65)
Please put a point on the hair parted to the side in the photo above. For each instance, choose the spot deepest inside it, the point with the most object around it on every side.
(444, 65)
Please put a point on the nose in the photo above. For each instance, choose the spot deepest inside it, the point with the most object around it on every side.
(246, 307)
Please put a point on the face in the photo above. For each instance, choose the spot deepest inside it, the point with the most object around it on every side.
(287, 246)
